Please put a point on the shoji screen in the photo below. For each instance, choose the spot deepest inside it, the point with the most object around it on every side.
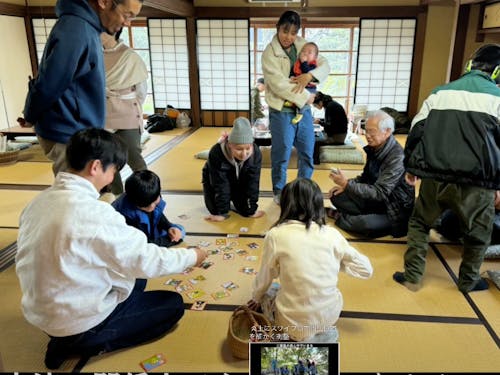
(385, 58)
(169, 62)
(223, 60)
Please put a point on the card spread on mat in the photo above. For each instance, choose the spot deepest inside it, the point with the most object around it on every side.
(195, 294)
(220, 294)
(153, 362)
(199, 305)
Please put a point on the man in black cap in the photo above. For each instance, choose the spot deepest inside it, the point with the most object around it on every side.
(453, 148)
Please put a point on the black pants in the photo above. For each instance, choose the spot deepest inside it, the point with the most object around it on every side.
(143, 316)
(366, 219)
(238, 197)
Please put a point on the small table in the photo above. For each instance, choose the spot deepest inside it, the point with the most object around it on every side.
(15, 131)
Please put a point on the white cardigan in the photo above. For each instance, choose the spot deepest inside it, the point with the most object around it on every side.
(307, 263)
(77, 259)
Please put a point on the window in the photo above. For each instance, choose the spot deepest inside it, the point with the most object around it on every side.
(41, 31)
(385, 63)
(336, 42)
(169, 62)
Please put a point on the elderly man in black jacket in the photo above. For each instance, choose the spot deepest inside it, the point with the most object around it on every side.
(379, 202)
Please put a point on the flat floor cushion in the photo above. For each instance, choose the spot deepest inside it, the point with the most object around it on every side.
(340, 154)
(202, 155)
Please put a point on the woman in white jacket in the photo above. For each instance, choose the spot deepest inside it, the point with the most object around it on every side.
(277, 61)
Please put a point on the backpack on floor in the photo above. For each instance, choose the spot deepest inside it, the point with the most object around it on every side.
(158, 123)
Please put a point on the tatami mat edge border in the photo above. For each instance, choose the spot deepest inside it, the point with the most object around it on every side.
(472, 304)
(7, 256)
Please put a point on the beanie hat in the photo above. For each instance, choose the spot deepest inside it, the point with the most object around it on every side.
(260, 80)
(242, 132)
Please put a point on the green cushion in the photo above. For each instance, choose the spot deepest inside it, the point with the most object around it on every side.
(202, 155)
(340, 154)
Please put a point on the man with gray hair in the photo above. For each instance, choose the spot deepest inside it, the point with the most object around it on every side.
(378, 202)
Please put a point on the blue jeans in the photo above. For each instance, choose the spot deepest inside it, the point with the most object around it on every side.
(284, 136)
(143, 316)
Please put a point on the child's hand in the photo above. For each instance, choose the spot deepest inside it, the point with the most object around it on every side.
(201, 255)
(253, 305)
(215, 218)
(257, 214)
(175, 234)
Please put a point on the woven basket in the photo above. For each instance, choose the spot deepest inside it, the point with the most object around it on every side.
(9, 156)
(240, 327)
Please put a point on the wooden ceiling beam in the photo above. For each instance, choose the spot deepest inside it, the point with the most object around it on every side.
(182, 8)
(275, 12)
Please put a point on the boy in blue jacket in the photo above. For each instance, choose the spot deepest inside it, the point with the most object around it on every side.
(143, 206)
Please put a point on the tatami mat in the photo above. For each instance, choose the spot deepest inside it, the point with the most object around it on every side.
(197, 344)
(27, 173)
(22, 345)
(33, 168)
(487, 301)
(7, 237)
(238, 251)
(12, 204)
(412, 347)
(383, 327)
(179, 170)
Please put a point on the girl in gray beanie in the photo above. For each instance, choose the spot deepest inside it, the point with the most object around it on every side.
(232, 174)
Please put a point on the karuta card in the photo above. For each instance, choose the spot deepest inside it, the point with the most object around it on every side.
(199, 305)
(252, 258)
(253, 245)
(203, 243)
(243, 229)
(228, 256)
(248, 270)
(206, 264)
(197, 279)
(220, 241)
(241, 252)
(188, 270)
(220, 294)
(195, 294)
(183, 217)
(173, 282)
(229, 285)
(153, 362)
(213, 251)
(233, 235)
(183, 287)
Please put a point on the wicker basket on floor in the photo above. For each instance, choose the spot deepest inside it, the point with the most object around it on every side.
(8, 157)
(240, 328)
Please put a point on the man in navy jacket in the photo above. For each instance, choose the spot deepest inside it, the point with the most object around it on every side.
(69, 92)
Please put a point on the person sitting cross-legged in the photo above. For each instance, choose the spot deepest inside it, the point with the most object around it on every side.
(379, 202)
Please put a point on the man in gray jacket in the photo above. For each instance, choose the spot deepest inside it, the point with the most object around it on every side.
(379, 202)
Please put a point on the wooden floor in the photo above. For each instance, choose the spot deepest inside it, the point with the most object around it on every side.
(383, 326)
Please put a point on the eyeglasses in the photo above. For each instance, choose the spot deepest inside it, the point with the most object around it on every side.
(126, 17)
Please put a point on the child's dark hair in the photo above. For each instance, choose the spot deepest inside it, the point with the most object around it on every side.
(143, 188)
(288, 19)
(302, 200)
(486, 58)
(95, 144)
(324, 98)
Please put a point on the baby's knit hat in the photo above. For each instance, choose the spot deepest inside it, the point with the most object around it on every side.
(242, 132)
